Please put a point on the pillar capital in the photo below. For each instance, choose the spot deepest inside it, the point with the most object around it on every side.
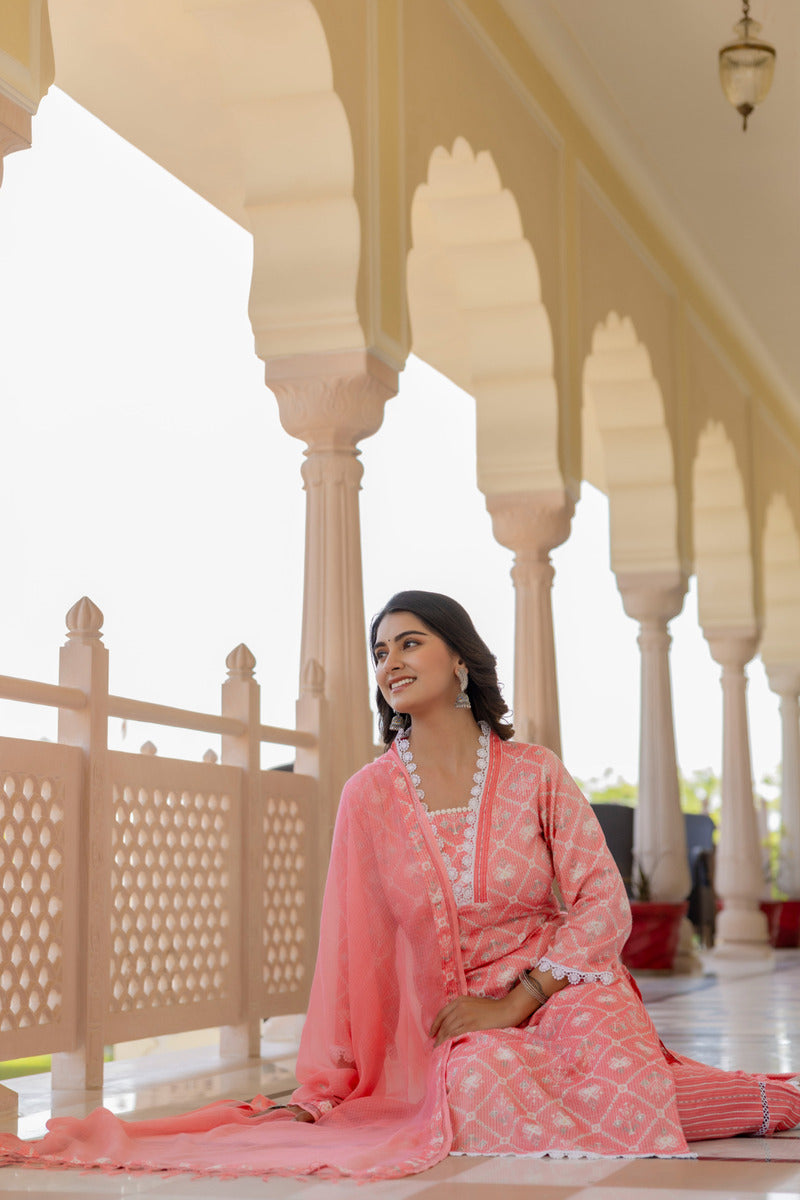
(652, 596)
(331, 401)
(531, 523)
(732, 648)
(784, 678)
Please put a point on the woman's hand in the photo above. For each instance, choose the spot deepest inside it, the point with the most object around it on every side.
(466, 1014)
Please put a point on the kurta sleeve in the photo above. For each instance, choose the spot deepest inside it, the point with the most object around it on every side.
(590, 936)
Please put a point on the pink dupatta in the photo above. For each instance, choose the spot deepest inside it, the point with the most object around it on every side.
(388, 961)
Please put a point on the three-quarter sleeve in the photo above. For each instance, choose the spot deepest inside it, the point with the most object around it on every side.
(589, 938)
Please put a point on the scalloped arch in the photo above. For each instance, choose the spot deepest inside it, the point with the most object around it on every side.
(723, 548)
(297, 165)
(477, 315)
(781, 642)
(627, 450)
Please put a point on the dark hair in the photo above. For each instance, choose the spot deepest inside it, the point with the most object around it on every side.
(453, 624)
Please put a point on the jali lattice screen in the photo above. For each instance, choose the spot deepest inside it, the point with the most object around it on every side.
(174, 898)
(289, 885)
(39, 800)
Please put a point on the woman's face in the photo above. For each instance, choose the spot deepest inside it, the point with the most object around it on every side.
(415, 669)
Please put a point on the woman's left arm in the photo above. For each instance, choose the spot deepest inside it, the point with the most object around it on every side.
(587, 941)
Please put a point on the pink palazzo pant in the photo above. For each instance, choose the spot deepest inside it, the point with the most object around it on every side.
(721, 1104)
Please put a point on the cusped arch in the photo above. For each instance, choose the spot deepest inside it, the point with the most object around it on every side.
(298, 173)
(476, 310)
(781, 574)
(627, 449)
(722, 541)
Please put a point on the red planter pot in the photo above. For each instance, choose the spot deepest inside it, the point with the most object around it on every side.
(654, 935)
(783, 919)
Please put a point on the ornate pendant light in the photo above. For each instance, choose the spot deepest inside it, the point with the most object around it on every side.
(746, 66)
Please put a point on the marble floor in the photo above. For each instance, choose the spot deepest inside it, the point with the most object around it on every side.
(750, 1021)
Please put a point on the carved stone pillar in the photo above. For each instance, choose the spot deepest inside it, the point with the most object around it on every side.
(653, 599)
(785, 681)
(532, 524)
(15, 129)
(741, 926)
(331, 402)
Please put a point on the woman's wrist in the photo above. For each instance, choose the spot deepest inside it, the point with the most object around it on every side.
(521, 1004)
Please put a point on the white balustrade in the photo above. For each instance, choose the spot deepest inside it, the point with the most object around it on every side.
(144, 896)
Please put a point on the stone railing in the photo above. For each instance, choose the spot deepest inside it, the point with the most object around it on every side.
(140, 895)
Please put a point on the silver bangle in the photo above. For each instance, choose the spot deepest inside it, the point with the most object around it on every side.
(533, 987)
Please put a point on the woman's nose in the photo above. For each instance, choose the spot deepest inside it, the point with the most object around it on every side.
(392, 659)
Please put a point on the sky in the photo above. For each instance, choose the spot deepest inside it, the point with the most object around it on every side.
(144, 465)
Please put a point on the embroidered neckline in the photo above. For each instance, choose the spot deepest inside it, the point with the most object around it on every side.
(462, 876)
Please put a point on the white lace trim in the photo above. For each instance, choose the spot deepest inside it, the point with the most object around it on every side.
(463, 877)
(553, 1153)
(764, 1127)
(558, 971)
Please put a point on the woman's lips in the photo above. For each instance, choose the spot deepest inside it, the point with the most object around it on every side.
(400, 685)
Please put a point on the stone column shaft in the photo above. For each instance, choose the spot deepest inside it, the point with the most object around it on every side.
(786, 682)
(741, 926)
(532, 524)
(331, 402)
(653, 599)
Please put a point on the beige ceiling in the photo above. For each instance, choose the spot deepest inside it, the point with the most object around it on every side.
(643, 75)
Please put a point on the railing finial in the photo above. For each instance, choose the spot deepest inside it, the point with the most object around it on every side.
(240, 662)
(84, 621)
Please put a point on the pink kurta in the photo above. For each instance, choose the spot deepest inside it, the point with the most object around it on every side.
(586, 1075)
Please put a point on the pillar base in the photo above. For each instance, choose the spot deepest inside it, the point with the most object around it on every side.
(743, 926)
(687, 960)
(741, 958)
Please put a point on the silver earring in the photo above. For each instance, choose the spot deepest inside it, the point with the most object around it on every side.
(462, 699)
(397, 722)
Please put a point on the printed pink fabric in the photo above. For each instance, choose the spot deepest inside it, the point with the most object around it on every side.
(586, 1075)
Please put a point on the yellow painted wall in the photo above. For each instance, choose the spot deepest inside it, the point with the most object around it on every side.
(15, 23)
(26, 56)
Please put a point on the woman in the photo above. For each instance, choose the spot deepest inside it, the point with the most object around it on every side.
(541, 1043)
(456, 1008)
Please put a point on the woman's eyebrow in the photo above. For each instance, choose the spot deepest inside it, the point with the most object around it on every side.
(396, 638)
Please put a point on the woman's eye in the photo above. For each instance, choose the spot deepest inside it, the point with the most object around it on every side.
(410, 642)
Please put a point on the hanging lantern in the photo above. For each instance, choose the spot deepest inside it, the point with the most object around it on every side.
(746, 66)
